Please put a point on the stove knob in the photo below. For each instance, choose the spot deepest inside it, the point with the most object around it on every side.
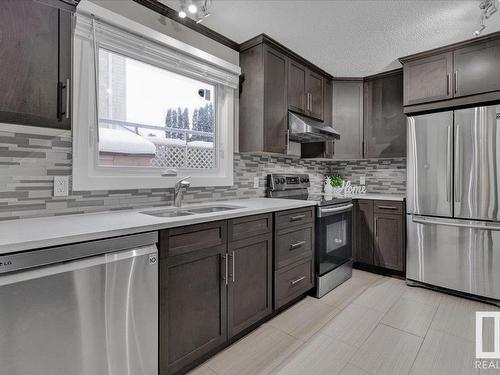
(277, 181)
(307, 179)
(282, 180)
(302, 179)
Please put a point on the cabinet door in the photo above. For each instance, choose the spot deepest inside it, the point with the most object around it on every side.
(297, 79)
(383, 117)
(65, 32)
(193, 306)
(363, 232)
(328, 115)
(428, 79)
(477, 68)
(315, 95)
(275, 102)
(29, 74)
(250, 282)
(389, 248)
(348, 119)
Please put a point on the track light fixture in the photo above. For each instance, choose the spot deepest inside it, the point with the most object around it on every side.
(488, 8)
(199, 9)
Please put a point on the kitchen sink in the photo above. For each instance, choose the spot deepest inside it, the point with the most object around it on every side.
(190, 211)
(167, 213)
(204, 210)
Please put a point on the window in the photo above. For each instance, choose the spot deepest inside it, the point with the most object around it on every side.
(152, 117)
(147, 109)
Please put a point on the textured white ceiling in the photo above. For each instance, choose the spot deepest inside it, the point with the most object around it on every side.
(350, 38)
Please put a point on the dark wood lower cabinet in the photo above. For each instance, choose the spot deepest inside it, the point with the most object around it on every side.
(379, 234)
(389, 242)
(193, 307)
(250, 282)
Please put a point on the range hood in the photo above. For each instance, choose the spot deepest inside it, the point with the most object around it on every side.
(305, 130)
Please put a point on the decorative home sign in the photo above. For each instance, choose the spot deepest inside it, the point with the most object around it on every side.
(347, 188)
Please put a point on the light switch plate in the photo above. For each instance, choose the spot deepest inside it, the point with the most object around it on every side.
(255, 182)
(362, 180)
(61, 186)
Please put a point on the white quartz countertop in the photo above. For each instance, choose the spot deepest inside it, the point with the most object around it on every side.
(29, 234)
(381, 197)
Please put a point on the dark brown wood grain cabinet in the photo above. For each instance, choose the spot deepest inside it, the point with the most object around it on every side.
(428, 79)
(297, 87)
(477, 68)
(379, 234)
(263, 101)
(315, 92)
(384, 122)
(36, 62)
(363, 231)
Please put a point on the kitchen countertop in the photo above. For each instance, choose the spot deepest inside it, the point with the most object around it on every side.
(29, 234)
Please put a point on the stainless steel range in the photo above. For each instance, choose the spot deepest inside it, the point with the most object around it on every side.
(333, 242)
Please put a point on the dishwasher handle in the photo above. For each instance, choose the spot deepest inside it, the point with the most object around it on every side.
(54, 269)
(66, 253)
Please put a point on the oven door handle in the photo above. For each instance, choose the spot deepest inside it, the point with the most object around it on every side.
(323, 211)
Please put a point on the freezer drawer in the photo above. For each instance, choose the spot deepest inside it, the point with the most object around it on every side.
(461, 255)
(429, 172)
(477, 163)
(96, 315)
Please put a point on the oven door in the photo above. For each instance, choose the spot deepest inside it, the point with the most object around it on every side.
(333, 237)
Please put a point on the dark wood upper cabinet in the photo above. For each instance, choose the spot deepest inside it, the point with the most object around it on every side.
(383, 118)
(250, 286)
(389, 241)
(363, 231)
(36, 63)
(477, 68)
(461, 74)
(297, 87)
(428, 79)
(315, 92)
(263, 101)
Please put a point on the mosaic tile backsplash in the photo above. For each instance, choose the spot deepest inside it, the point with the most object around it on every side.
(29, 162)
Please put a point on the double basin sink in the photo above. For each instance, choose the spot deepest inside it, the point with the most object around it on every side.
(176, 212)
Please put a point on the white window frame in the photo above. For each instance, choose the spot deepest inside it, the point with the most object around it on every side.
(144, 44)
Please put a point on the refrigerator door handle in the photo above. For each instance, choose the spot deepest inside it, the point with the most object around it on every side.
(448, 167)
(458, 166)
(495, 227)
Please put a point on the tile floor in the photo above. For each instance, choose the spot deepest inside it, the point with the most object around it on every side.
(369, 325)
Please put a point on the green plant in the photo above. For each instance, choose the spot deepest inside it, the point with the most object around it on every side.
(336, 181)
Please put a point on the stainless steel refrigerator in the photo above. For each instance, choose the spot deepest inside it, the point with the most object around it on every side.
(453, 196)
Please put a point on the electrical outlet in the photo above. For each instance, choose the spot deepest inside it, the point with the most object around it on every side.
(362, 180)
(256, 182)
(61, 186)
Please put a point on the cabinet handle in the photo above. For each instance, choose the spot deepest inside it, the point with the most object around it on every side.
(448, 84)
(456, 81)
(296, 281)
(67, 98)
(387, 207)
(232, 256)
(376, 227)
(297, 217)
(294, 246)
(364, 148)
(224, 277)
(60, 87)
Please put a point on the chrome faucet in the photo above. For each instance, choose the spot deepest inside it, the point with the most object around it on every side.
(179, 188)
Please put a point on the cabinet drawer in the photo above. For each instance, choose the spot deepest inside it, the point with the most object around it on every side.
(293, 281)
(190, 238)
(285, 219)
(293, 244)
(249, 226)
(388, 207)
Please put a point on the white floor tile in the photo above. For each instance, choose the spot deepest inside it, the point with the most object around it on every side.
(353, 370)
(410, 315)
(388, 351)
(382, 294)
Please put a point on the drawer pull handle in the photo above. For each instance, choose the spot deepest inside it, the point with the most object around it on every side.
(294, 246)
(297, 217)
(387, 207)
(296, 281)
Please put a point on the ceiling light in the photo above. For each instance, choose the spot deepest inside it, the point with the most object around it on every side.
(192, 8)
(182, 12)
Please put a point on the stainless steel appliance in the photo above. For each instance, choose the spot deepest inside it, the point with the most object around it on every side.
(333, 237)
(84, 309)
(453, 196)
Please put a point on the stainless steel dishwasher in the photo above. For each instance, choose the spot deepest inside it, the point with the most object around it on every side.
(83, 309)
